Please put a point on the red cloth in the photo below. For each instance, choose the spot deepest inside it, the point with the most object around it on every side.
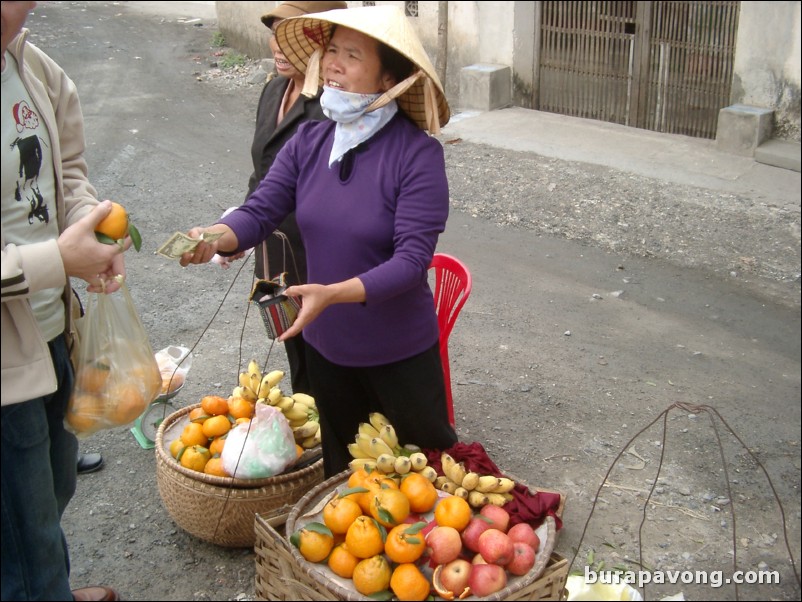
(525, 507)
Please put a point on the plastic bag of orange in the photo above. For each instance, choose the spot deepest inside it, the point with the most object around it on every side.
(116, 376)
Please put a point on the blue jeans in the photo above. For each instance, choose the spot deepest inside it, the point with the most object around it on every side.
(38, 481)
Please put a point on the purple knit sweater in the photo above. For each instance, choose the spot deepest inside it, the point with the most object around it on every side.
(381, 224)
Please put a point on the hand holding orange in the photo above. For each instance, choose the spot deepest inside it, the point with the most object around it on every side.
(116, 226)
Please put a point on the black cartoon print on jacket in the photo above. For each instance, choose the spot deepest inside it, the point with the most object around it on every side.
(30, 162)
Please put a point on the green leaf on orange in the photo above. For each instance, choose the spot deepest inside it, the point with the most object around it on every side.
(136, 237)
(415, 527)
(318, 528)
(352, 490)
(106, 240)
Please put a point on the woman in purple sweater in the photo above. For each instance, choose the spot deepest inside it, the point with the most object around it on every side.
(370, 195)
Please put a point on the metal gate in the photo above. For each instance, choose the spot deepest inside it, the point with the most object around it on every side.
(662, 66)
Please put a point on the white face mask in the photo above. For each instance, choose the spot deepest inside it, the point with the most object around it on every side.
(354, 125)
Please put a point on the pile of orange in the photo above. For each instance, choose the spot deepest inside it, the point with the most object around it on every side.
(367, 535)
(200, 445)
(104, 397)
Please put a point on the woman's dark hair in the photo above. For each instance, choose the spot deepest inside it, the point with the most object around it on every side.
(399, 66)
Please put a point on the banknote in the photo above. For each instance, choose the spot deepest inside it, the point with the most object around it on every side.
(179, 243)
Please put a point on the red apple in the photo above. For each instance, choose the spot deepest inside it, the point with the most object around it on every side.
(444, 544)
(524, 533)
(500, 518)
(451, 580)
(523, 559)
(471, 533)
(495, 547)
(487, 579)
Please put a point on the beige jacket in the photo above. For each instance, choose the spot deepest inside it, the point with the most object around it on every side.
(27, 369)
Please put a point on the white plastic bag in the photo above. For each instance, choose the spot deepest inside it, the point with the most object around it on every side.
(174, 363)
(261, 448)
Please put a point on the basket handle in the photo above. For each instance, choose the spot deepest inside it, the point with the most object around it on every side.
(285, 244)
(277, 517)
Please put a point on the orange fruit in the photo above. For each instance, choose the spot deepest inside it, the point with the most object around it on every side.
(240, 407)
(242, 420)
(299, 451)
(405, 543)
(198, 415)
(408, 583)
(85, 413)
(314, 541)
(378, 479)
(176, 446)
(339, 513)
(215, 405)
(195, 457)
(365, 537)
(374, 481)
(217, 444)
(115, 224)
(342, 562)
(125, 403)
(389, 506)
(215, 467)
(193, 434)
(216, 426)
(149, 379)
(372, 575)
(92, 378)
(357, 478)
(453, 511)
(420, 491)
(170, 381)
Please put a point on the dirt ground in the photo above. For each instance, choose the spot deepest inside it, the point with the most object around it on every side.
(584, 348)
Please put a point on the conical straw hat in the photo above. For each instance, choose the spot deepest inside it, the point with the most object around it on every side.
(300, 37)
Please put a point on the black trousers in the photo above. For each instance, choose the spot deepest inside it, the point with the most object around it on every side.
(410, 393)
(296, 357)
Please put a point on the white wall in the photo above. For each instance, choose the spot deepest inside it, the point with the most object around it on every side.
(767, 58)
(241, 25)
(767, 62)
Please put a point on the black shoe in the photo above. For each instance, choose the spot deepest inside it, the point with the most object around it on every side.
(89, 463)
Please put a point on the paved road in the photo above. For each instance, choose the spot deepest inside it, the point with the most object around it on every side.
(562, 354)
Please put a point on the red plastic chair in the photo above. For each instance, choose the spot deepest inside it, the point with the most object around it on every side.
(452, 285)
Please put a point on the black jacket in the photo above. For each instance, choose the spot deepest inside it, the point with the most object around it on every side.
(268, 140)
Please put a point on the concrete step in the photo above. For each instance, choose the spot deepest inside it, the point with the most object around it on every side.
(779, 153)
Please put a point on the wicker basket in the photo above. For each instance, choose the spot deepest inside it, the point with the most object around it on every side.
(279, 576)
(221, 510)
(283, 574)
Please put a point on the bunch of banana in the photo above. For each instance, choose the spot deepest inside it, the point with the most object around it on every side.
(299, 409)
(254, 386)
(478, 490)
(376, 447)
(301, 412)
(304, 419)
